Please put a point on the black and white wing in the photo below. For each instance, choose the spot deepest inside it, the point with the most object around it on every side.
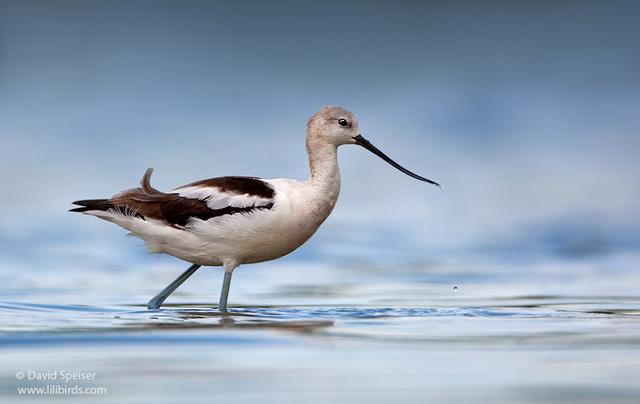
(203, 200)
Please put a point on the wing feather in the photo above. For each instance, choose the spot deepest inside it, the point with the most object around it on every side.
(201, 200)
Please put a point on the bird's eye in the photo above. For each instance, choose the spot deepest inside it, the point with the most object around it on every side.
(343, 122)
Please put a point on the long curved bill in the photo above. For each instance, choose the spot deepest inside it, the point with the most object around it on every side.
(367, 145)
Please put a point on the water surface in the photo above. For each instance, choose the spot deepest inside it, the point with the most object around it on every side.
(311, 331)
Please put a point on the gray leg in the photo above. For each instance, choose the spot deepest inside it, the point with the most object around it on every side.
(229, 266)
(226, 283)
(156, 302)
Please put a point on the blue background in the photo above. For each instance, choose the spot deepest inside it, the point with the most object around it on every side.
(526, 112)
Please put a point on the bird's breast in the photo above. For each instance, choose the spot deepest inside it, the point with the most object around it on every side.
(299, 210)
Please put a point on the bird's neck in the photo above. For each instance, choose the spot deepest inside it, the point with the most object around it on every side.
(323, 163)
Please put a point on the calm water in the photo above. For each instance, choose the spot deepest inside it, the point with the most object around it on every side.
(320, 331)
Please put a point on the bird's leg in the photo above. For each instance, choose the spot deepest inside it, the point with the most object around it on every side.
(229, 266)
(156, 302)
(226, 283)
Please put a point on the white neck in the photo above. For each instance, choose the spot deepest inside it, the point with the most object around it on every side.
(325, 176)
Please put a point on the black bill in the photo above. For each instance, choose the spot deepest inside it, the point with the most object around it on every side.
(367, 145)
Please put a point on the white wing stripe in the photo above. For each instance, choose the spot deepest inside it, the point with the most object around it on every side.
(218, 200)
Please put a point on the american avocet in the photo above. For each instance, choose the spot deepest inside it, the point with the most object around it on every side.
(229, 221)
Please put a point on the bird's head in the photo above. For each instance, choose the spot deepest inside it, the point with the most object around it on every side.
(336, 126)
(333, 125)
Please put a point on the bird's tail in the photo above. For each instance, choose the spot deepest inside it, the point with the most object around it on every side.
(119, 202)
(92, 204)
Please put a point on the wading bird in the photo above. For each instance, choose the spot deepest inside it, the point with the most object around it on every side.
(229, 221)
